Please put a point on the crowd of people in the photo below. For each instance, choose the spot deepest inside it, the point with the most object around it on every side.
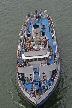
(36, 87)
(26, 39)
(26, 43)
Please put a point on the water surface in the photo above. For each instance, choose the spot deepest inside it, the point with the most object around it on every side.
(12, 14)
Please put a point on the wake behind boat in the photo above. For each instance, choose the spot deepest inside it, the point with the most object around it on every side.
(38, 66)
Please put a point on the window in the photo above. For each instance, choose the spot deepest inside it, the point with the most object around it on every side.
(27, 60)
(35, 59)
(39, 59)
(30, 60)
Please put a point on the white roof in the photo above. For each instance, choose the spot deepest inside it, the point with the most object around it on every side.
(35, 53)
(46, 55)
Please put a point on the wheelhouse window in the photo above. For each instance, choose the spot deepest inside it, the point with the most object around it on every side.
(44, 58)
(40, 59)
(30, 60)
(35, 59)
(27, 60)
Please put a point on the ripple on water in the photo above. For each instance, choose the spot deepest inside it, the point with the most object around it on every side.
(12, 14)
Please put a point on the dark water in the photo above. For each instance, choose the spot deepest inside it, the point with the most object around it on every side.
(12, 14)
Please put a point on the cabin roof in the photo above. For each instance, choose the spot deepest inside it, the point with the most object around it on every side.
(36, 53)
(35, 56)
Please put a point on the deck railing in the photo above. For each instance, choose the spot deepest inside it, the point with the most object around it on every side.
(42, 97)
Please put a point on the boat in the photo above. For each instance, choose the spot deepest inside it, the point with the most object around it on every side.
(38, 61)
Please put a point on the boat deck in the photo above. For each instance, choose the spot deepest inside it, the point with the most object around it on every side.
(39, 85)
(47, 32)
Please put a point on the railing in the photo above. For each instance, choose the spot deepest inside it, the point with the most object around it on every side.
(42, 97)
(33, 99)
